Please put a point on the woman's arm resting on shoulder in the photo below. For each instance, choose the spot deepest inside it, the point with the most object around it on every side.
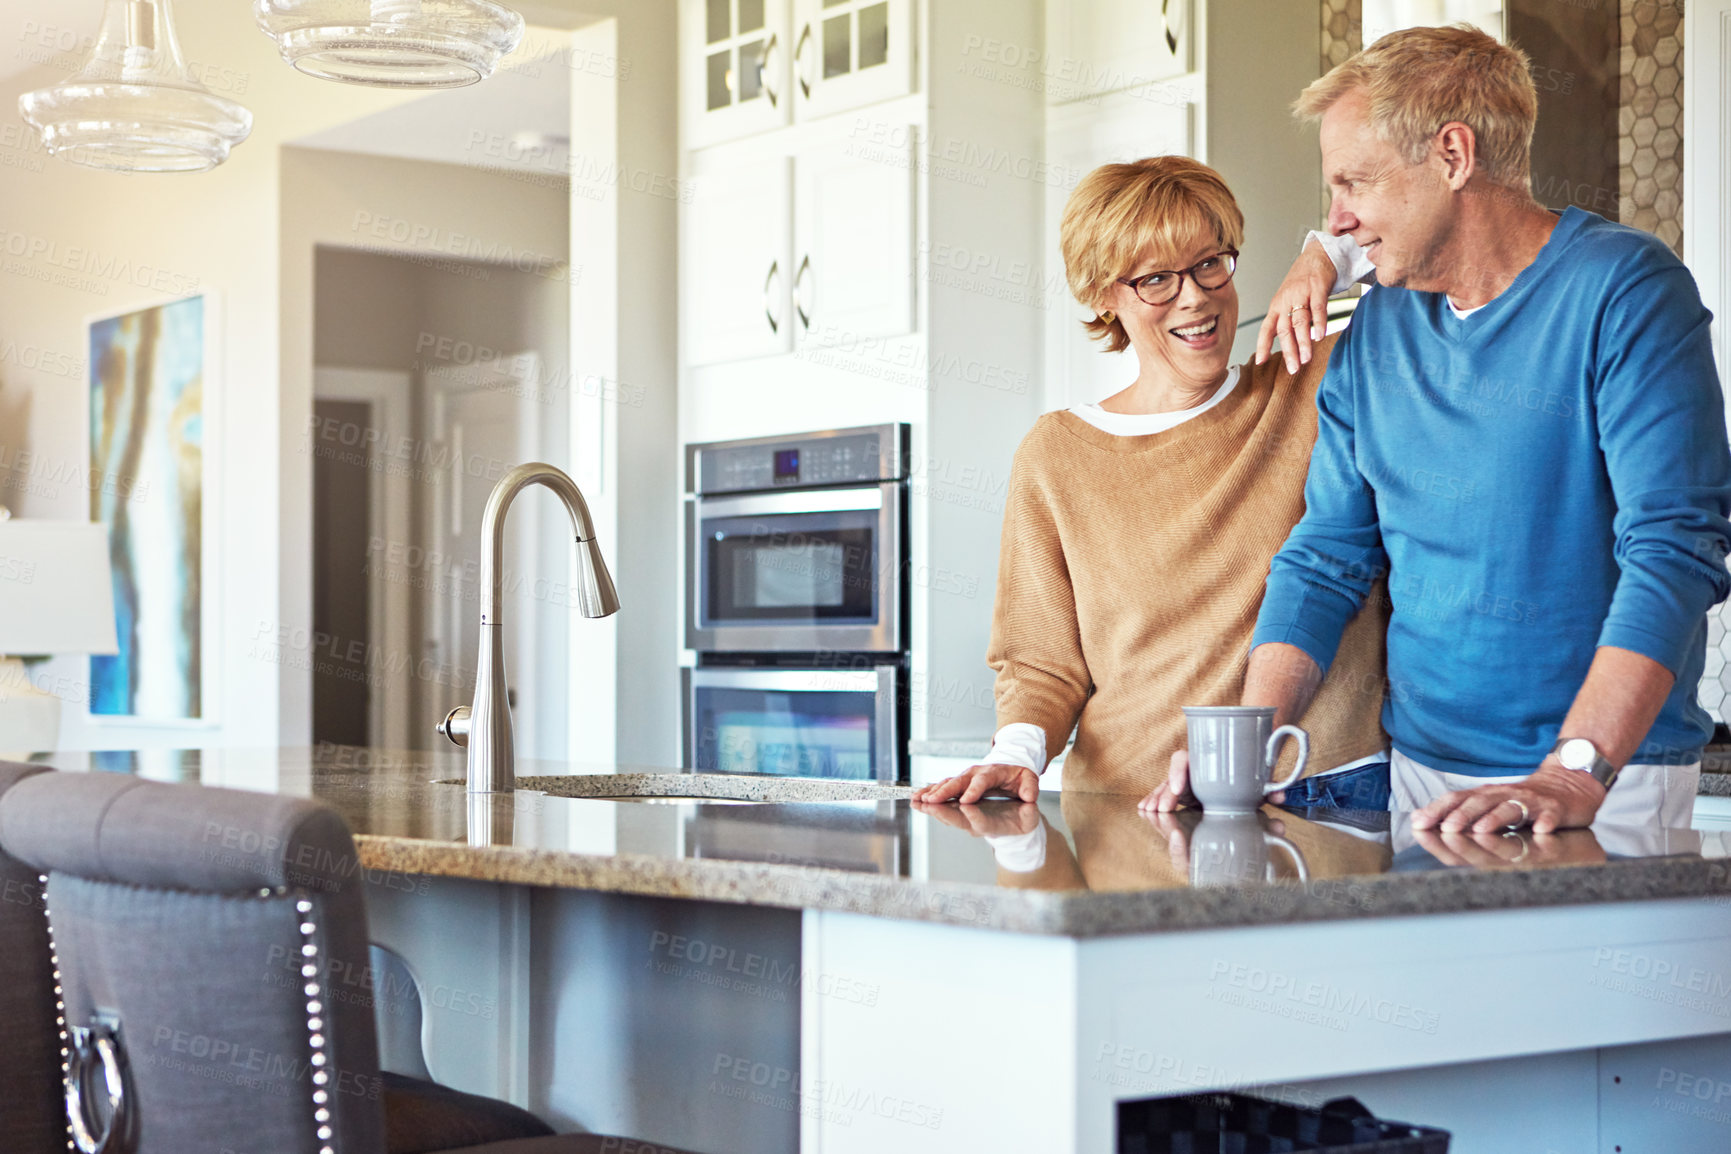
(1326, 266)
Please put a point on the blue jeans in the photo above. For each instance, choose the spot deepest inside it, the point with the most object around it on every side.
(1366, 787)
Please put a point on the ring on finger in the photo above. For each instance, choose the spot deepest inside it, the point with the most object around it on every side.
(1296, 307)
(1526, 815)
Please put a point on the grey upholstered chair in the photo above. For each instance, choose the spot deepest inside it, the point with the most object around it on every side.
(212, 958)
(32, 1119)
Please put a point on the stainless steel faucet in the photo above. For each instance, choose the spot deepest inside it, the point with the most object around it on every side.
(485, 726)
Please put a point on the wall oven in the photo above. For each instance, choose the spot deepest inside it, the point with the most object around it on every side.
(798, 544)
(797, 605)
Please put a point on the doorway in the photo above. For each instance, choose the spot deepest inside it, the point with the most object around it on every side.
(430, 384)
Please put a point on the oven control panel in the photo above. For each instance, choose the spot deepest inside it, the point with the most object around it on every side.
(847, 457)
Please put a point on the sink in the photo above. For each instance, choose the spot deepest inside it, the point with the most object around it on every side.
(710, 787)
(676, 799)
(703, 788)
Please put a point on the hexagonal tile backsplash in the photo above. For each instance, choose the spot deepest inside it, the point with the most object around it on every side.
(1650, 119)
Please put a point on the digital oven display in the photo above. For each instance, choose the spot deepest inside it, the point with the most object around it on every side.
(786, 465)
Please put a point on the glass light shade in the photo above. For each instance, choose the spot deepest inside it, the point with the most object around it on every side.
(134, 107)
(392, 43)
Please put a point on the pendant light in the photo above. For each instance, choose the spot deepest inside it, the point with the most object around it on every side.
(392, 43)
(134, 107)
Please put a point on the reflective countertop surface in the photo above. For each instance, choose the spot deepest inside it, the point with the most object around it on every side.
(1074, 864)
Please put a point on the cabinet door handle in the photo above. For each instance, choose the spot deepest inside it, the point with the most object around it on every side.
(799, 61)
(774, 271)
(799, 305)
(765, 70)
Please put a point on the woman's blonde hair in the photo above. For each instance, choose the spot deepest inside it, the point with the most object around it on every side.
(1419, 79)
(1123, 214)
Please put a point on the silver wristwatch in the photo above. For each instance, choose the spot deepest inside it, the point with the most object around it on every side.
(1579, 753)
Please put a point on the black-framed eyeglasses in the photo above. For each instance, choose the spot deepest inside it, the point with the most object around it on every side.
(1163, 287)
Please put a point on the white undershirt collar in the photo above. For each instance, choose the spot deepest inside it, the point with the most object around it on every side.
(1141, 424)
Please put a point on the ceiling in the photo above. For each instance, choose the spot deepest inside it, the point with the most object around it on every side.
(518, 120)
(32, 17)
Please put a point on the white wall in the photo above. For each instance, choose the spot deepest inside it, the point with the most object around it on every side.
(107, 237)
(624, 339)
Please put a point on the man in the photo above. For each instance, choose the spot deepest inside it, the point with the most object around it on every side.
(1523, 429)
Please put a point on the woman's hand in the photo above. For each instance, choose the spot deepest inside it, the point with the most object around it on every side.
(1175, 790)
(1302, 298)
(1011, 819)
(976, 781)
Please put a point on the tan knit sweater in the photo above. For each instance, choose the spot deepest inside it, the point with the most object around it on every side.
(1131, 573)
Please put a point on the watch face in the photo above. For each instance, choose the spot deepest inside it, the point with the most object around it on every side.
(1577, 753)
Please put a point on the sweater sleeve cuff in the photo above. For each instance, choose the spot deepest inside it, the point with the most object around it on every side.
(1289, 617)
(1658, 613)
(1669, 649)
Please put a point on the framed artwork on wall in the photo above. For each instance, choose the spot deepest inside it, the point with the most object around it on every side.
(149, 396)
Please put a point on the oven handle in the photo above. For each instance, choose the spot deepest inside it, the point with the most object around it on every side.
(793, 680)
(805, 501)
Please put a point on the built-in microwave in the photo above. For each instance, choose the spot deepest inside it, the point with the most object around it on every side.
(799, 544)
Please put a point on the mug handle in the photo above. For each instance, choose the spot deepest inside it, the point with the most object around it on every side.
(1273, 754)
(1297, 858)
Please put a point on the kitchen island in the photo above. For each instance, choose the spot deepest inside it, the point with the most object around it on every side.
(747, 965)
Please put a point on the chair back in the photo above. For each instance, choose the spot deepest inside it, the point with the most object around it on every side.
(212, 952)
(32, 1116)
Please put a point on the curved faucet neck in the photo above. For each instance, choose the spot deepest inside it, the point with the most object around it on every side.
(493, 525)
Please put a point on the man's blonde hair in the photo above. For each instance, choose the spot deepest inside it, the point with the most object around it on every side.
(1419, 79)
(1121, 215)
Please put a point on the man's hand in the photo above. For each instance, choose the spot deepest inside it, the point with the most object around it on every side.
(1174, 792)
(976, 781)
(1176, 829)
(1512, 849)
(1556, 798)
(1298, 315)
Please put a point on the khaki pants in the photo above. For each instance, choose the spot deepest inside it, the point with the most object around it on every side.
(1642, 795)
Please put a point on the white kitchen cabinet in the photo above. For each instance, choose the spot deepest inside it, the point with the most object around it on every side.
(1098, 46)
(734, 68)
(814, 249)
(735, 256)
(854, 236)
(850, 53)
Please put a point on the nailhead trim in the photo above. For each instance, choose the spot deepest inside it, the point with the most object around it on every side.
(59, 1006)
(315, 1021)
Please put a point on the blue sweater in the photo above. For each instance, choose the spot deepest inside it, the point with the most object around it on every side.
(1546, 476)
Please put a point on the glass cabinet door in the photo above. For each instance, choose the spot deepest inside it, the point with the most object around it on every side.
(734, 68)
(849, 53)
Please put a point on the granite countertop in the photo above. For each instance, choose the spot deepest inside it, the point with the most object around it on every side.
(1079, 865)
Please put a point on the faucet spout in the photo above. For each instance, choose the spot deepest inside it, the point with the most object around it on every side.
(492, 766)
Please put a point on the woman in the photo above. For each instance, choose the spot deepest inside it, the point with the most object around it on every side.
(1138, 531)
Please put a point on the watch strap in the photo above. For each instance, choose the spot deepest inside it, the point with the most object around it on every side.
(1601, 770)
